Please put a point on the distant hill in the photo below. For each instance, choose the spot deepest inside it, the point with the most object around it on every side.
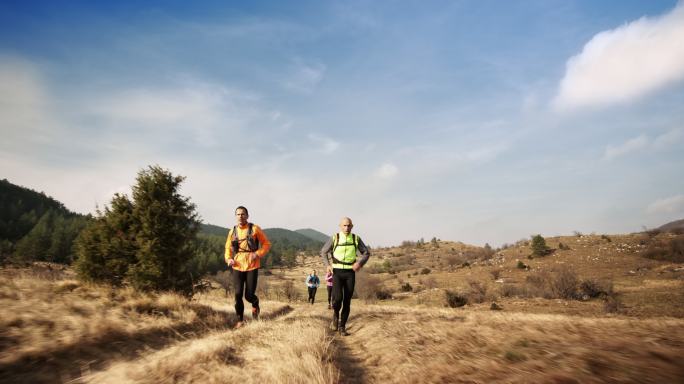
(36, 227)
(287, 238)
(301, 239)
(677, 225)
(313, 234)
(21, 208)
(210, 229)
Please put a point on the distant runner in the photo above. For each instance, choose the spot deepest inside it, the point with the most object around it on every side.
(328, 285)
(342, 249)
(312, 283)
(245, 246)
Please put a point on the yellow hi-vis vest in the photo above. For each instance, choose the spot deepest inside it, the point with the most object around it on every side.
(344, 250)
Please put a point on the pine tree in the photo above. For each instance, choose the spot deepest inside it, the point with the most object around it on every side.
(106, 248)
(538, 246)
(167, 225)
(149, 241)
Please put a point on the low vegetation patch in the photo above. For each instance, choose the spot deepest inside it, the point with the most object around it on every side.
(665, 248)
(455, 299)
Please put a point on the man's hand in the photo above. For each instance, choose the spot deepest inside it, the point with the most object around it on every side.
(231, 263)
(356, 266)
(253, 256)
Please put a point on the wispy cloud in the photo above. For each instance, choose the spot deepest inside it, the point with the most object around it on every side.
(628, 146)
(625, 63)
(324, 145)
(643, 142)
(668, 139)
(387, 171)
(25, 106)
(673, 204)
(305, 76)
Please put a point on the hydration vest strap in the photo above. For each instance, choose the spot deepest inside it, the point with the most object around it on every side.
(335, 261)
(252, 243)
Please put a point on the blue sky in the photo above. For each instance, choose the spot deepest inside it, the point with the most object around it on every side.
(474, 121)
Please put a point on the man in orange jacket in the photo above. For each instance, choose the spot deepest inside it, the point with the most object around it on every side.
(245, 246)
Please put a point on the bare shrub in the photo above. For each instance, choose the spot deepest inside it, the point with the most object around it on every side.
(513, 290)
(477, 292)
(264, 287)
(406, 287)
(591, 288)
(496, 273)
(564, 284)
(538, 284)
(612, 304)
(665, 250)
(453, 260)
(429, 282)
(425, 271)
(455, 299)
(225, 280)
(289, 291)
(370, 288)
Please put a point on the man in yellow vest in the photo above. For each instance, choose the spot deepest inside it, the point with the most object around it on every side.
(245, 246)
(343, 248)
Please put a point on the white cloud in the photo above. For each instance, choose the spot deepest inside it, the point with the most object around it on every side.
(674, 204)
(625, 63)
(25, 108)
(324, 145)
(387, 171)
(305, 77)
(668, 139)
(485, 153)
(643, 142)
(630, 145)
(202, 112)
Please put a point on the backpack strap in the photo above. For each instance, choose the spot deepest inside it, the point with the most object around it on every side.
(252, 242)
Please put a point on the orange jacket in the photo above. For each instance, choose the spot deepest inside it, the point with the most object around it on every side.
(242, 259)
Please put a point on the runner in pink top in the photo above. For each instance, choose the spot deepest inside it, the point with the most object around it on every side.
(329, 284)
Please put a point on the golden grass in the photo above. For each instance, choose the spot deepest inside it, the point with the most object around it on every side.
(403, 345)
(294, 348)
(56, 329)
(52, 330)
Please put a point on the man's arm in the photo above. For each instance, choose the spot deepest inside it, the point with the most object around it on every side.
(327, 247)
(229, 248)
(365, 253)
(264, 243)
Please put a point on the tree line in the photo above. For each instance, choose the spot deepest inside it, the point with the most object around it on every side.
(150, 240)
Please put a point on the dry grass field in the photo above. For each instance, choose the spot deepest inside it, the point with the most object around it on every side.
(55, 329)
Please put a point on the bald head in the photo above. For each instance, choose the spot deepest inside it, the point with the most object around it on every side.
(346, 225)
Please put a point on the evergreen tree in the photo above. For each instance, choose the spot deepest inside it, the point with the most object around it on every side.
(149, 241)
(107, 247)
(538, 246)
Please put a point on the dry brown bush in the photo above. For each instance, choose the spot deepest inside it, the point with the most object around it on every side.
(370, 288)
(477, 292)
(455, 299)
(564, 283)
(428, 282)
(289, 292)
(665, 248)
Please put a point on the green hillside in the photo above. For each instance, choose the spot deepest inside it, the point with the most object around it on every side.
(35, 227)
(210, 229)
(297, 240)
(313, 234)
